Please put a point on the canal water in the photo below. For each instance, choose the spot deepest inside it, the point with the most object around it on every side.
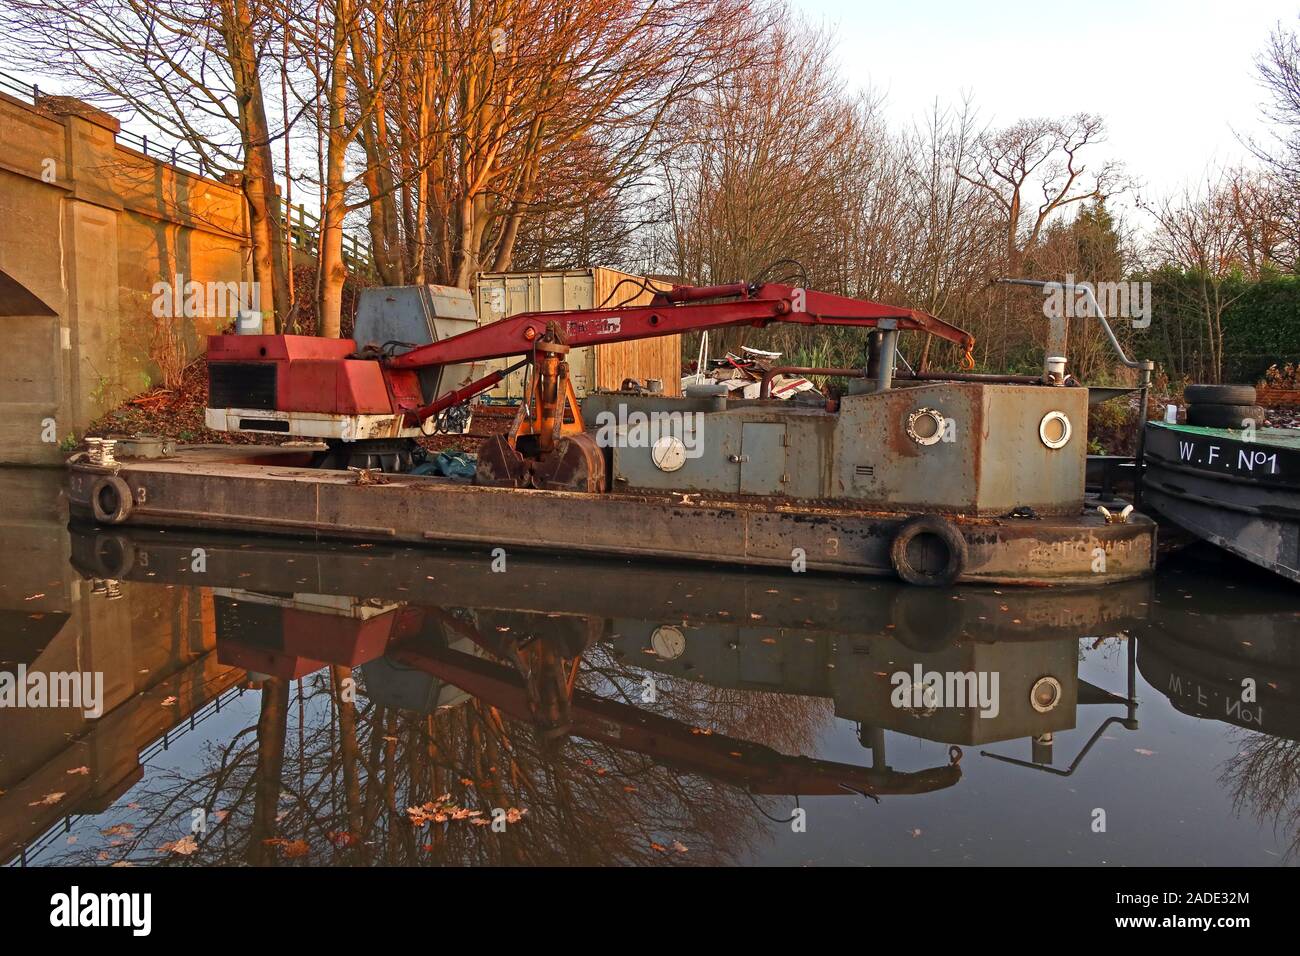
(192, 699)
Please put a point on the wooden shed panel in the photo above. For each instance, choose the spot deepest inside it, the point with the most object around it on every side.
(597, 367)
(640, 359)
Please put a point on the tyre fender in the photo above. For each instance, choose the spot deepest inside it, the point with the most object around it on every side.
(110, 500)
(941, 539)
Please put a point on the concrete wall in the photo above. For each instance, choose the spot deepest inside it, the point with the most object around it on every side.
(89, 227)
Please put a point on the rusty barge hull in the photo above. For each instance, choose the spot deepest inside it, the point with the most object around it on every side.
(270, 491)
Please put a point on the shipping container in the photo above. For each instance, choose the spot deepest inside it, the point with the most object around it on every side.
(598, 367)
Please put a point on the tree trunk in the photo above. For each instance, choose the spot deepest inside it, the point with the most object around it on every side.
(265, 230)
(332, 271)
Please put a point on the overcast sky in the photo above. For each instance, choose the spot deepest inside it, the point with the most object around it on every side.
(1174, 80)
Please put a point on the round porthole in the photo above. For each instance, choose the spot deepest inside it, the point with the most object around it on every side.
(668, 642)
(668, 453)
(1055, 429)
(1045, 694)
(925, 426)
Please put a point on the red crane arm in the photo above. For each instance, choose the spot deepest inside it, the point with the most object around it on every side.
(673, 312)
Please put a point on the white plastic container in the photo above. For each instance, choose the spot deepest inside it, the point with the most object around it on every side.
(249, 322)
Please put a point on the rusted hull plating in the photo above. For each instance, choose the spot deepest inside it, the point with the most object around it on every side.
(217, 489)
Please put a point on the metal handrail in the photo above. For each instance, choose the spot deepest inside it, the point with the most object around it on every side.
(1086, 287)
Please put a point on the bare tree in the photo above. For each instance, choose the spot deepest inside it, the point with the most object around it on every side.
(1199, 233)
(1278, 69)
(1035, 168)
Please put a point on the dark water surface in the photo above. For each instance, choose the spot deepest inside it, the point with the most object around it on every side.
(273, 702)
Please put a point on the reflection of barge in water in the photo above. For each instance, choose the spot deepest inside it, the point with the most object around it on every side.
(1237, 662)
(430, 629)
(934, 477)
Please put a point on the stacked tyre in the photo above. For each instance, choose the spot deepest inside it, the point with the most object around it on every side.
(1222, 406)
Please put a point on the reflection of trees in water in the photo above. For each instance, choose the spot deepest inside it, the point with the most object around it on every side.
(1264, 777)
(1109, 648)
(785, 722)
(319, 780)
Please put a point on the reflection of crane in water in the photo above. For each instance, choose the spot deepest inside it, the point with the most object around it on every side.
(548, 680)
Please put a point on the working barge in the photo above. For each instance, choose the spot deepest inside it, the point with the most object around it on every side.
(935, 478)
(1234, 487)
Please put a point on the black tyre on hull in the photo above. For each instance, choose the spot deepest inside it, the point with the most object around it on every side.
(1219, 395)
(1224, 416)
(110, 500)
(929, 551)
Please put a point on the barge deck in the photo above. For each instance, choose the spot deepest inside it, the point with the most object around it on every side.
(271, 490)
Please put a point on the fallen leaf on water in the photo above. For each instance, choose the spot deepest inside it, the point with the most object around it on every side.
(170, 701)
(184, 846)
(71, 840)
(679, 846)
(293, 849)
(81, 770)
(118, 829)
(49, 800)
(916, 832)
(34, 597)
(658, 846)
(1145, 753)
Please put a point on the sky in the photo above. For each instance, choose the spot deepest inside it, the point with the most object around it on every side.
(1175, 81)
